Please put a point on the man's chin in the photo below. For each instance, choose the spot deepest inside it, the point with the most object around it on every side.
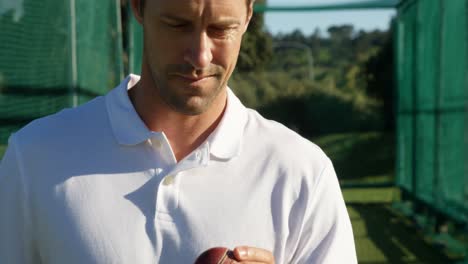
(193, 98)
(190, 110)
(193, 83)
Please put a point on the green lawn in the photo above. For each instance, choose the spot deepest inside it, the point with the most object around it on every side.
(384, 236)
(361, 157)
(368, 195)
(2, 150)
(381, 233)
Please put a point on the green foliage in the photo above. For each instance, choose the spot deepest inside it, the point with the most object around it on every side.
(361, 157)
(2, 150)
(305, 106)
(379, 74)
(256, 50)
(342, 55)
(317, 84)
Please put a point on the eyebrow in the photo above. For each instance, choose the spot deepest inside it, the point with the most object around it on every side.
(226, 21)
(175, 18)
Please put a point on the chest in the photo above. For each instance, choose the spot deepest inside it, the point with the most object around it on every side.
(163, 216)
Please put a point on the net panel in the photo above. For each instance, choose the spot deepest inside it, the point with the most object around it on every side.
(99, 47)
(34, 67)
(427, 70)
(452, 99)
(405, 120)
(433, 131)
(465, 205)
(50, 62)
(404, 170)
(424, 155)
(35, 46)
(135, 43)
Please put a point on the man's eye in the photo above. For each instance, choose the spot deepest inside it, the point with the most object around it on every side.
(222, 31)
(176, 25)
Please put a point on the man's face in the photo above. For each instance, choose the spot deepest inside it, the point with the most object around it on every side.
(191, 49)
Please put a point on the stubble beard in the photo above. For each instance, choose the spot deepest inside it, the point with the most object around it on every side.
(182, 99)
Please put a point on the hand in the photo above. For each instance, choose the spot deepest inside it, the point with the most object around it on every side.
(251, 255)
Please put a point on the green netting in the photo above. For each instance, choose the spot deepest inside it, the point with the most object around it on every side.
(99, 47)
(427, 75)
(432, 113)
(406, 33)
(55, 54)
(405, 141)
(424, 155)
(405, 73)
(33, 52)
(452, 104)
(35, 45)
(360, 5)
(465, 205)
(428, 45)
(135, 43)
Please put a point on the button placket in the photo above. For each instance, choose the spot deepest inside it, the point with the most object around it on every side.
(169, 180)
(168, 189)
(168, 195)
(157, 143)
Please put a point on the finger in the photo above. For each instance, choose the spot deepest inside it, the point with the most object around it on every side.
(252, 254)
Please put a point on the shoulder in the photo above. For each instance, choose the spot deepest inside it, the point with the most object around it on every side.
(63, 125)
(283, 145)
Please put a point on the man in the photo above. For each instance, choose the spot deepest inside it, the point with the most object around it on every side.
(170, 164)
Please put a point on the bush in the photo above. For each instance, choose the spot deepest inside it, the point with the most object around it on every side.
(307, 107)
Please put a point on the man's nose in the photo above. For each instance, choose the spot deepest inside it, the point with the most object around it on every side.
(199, 54)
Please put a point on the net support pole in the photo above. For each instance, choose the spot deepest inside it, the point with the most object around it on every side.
(119, 66)
(73, 50)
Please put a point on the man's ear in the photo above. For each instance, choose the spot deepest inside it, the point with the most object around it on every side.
(249, 16)
(137, 8)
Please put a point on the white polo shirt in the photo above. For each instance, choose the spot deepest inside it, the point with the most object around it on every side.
(94, 185)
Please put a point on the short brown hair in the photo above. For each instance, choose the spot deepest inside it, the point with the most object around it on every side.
(142, 5)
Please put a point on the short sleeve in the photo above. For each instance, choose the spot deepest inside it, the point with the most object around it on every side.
(15, 241)
(326, 235)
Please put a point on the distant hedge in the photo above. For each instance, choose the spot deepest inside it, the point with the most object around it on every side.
(305, 106)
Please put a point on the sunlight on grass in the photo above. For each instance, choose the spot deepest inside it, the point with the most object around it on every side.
(361, 157)
(371, 195)
(2, 150)
(383, 236)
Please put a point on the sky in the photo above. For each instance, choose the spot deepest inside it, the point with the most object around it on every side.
(307, 22)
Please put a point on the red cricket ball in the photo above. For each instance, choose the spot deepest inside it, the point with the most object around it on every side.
(216, 255)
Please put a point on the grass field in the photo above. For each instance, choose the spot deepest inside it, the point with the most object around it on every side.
(2, 150)
(361, 157)
(384, 236)
(381, 233)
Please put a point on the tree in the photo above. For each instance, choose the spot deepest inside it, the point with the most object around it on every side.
(257, 48)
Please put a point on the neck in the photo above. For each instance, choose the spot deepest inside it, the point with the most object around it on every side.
(184, 132)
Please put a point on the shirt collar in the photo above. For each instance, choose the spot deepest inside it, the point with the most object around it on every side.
(128, 128)
(126, 124)
(225, 141)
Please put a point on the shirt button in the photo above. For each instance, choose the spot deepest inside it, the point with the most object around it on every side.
(169, 180)
(157, 143)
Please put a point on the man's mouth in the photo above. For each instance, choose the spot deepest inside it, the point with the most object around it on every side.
(193, 78)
